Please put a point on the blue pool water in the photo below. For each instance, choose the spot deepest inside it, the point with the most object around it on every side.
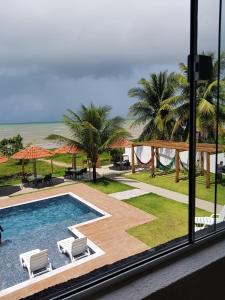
(37, 215)
(40, 225)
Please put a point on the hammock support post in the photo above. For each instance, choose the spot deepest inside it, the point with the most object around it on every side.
(205, 149)
(153, 160)
(132, 159)
(208, 171)
(177, 166)
(202, 164)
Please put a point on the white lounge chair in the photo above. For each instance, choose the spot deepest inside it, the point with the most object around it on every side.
(75, 248)
(207, 221)
(199, 227)
(36, 262)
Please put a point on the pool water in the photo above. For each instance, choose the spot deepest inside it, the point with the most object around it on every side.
(38, 224)
(33, 216)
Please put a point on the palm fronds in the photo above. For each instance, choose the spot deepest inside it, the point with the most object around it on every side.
(92, 130)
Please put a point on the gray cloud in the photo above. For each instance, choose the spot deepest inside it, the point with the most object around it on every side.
(55, 54)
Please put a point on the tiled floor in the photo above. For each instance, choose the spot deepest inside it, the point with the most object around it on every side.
(109, 234)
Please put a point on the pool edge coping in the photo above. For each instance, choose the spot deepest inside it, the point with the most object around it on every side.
(73, 229)
(99, 210)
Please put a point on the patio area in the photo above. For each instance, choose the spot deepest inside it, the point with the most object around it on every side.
(109, 234)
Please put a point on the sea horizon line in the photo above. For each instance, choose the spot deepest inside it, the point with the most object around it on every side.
(26, 123)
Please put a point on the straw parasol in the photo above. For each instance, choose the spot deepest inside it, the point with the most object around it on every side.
(3, 159)
(69, 149)
(121, 143)
(32, 153)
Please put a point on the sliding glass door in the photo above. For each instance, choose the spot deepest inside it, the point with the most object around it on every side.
(210, 119)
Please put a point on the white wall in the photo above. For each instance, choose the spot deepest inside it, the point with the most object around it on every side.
(144, 154)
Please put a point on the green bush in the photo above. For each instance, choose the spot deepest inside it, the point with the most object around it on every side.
(12, 145)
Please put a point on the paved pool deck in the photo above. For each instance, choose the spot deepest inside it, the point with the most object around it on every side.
(109, 234)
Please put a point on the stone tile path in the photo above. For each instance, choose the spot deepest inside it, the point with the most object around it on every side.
(148, 188)
(129, 194)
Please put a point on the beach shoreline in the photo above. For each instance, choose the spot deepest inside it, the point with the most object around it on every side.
(36, 133)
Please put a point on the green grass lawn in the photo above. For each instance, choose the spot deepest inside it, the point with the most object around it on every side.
(171, 222)
(168, 182)
(109, 186)
(66, 158)
(12, 167)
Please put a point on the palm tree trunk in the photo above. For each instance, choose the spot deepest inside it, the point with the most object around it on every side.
(94, 172)
(94, 166)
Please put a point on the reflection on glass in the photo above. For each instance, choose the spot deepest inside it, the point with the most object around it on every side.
(206, 119)
(122, 72)
(221, 131)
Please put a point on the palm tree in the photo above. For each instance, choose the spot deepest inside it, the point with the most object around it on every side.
(92, 131)
(150, 96)
(206, 104)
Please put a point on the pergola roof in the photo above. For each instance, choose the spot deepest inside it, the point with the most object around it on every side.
(32, 152)
(121, 143)
(181, 146)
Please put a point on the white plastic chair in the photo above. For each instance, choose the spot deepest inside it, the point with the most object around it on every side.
(75, 248)
(36, 262)
(207, 221)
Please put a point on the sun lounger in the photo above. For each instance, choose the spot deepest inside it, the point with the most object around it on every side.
(36, 262)
(199, 227)
(207, 221)
(75, 248)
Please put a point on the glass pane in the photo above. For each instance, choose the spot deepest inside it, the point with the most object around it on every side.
(207, 120)
(114, 168)
(221, 134)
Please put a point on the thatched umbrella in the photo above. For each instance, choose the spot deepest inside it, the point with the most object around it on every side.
(32, 153)
(69, 149)
(3, 159)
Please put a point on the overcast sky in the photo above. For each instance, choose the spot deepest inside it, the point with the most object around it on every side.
(57, 54)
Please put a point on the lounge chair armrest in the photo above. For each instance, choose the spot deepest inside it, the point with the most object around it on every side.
(213, 216)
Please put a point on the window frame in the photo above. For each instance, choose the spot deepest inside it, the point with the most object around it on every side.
(193, 241)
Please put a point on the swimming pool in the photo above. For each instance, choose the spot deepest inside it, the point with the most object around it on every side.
(66, 209)
(40, 224)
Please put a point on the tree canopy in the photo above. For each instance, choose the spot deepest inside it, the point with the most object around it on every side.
(11, 145)
(163, 105)
(150, 96)
(92, 130)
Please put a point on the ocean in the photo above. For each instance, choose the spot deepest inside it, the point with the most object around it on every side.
(35, 133)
